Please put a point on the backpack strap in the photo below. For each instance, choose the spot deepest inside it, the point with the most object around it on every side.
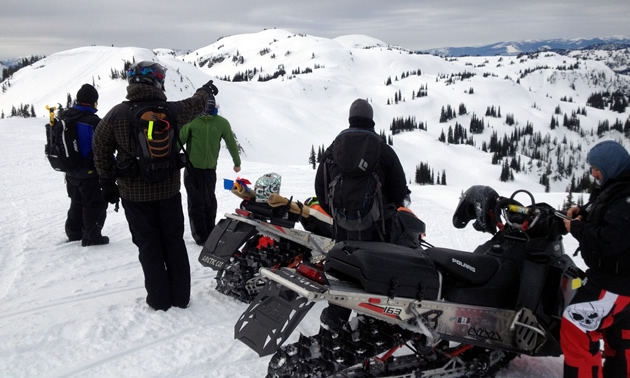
(328, 162)
(379, 200)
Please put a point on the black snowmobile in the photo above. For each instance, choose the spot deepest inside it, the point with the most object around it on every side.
(262, 234)
(428, 311)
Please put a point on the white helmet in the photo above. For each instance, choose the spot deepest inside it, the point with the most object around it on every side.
(267, 184)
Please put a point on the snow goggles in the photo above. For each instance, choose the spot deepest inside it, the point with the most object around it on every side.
(146, 72)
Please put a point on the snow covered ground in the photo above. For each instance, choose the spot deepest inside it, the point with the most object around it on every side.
(69, 311)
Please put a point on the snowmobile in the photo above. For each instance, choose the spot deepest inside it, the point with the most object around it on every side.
(427, 311)
(262, 234)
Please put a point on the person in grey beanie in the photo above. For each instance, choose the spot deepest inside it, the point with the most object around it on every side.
(394, 190)
(601, 307)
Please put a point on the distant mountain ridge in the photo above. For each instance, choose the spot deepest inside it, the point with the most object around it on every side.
(529, 46)
(528, 119)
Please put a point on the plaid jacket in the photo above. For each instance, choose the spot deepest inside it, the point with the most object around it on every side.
(113, 136)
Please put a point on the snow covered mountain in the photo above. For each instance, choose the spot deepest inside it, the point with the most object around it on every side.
(530, 46)
(70, 311)
(276, 83)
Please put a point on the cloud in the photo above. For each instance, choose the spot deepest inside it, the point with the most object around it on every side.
(36, 27)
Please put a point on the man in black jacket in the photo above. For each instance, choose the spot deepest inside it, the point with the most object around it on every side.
(394, 192)
(392, 176)
(153, 209)
(88, 210)
(601, 308)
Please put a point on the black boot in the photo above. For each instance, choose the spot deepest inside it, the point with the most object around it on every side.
(98, 241)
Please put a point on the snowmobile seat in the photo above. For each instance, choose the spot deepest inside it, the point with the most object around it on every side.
(480, 278)
(384, 268)
(476, 269)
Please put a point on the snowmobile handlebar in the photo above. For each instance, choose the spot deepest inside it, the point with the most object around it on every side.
(509, 206)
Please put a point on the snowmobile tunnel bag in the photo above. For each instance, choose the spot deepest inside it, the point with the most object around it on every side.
(226, 237)
(384, 268)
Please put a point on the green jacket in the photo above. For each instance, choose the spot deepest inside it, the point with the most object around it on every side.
(202, 138)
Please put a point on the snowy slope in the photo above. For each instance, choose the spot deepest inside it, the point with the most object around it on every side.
(70, 311)
(73, 311)
(309, 109)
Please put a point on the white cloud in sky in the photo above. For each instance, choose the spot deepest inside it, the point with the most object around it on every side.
(36, 27)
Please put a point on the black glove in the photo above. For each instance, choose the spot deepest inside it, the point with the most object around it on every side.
(109, 191)
(211, 88)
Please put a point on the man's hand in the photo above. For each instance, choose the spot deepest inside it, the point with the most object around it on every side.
(109, 191)
(572, 212)
(237, 169)
(211, 88)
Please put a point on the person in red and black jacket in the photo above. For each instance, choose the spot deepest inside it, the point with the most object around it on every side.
(88, 209)
(601, 307)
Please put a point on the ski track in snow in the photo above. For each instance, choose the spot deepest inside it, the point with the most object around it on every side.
(70, 311)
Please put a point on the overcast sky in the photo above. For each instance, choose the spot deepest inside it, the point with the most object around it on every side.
(38, 27)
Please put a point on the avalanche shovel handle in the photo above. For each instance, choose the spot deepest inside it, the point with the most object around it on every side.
(276, 200)
(52, 114)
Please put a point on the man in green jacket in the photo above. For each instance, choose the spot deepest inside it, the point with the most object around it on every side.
(202, 138)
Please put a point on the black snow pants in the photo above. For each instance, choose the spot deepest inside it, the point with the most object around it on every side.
(157, 229)
(88, 209)
(202, 202)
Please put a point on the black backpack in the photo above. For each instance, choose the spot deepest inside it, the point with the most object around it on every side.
(353, 180)
(154, 137)
(62, 143)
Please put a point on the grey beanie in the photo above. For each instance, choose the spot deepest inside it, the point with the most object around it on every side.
(361, 108)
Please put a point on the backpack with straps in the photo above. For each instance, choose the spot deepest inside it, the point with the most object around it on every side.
(353, 180)
(62, 143)
(154, 136)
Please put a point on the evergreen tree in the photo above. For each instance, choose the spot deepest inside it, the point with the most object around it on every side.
(569, 203)
(312, 159)
(424, 174)
(505, 172)
(476, 125)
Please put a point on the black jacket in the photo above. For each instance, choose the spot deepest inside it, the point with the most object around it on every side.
(113, 136)
(394, 189)
(604, 235)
